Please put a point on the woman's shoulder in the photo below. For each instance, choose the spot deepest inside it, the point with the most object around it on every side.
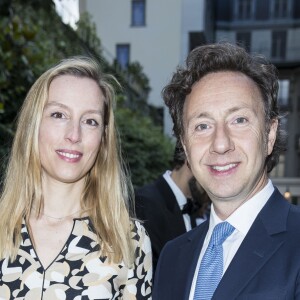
(137, 228)
(139, 234)
(142, 247)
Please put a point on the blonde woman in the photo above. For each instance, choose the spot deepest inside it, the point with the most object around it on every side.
(65, 226)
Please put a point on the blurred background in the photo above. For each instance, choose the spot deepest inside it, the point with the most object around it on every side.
(142, 42)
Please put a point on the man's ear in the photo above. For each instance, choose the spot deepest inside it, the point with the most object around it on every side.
(272, 135)
(183, 144)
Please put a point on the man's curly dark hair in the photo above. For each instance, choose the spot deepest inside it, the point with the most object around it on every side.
(226, 57)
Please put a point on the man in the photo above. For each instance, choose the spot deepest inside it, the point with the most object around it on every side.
(224, 109)
(165, 205)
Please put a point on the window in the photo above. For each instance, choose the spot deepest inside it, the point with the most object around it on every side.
(280, 8)
(297, 139)
(123, 55)
(278, 44)
(283, 94)
(196, 39)
(244, 40)
(279, 169)
(138, 15)
(244, 9)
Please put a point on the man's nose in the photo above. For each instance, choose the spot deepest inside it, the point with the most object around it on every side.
(222, 141)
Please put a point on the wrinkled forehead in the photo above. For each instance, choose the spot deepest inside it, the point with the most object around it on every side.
(218, 94)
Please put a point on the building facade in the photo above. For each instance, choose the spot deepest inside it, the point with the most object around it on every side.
(271, 28)
(158, 34)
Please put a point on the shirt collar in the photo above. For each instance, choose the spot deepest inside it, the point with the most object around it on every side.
(244, 216)
(180, 197)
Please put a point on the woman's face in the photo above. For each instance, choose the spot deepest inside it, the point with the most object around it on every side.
(71, 128)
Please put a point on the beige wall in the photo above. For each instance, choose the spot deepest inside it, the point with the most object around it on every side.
(160, 46)
(156, 46)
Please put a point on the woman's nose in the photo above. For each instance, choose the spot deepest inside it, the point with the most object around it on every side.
(73, 132)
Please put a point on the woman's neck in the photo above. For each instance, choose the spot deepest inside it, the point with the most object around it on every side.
(61, 199)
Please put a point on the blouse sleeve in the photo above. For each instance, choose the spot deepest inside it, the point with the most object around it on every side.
(139, 280)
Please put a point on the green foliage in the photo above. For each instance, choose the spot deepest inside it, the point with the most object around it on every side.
(32, 38)
(86, 30)
(135, 70)
(145, 148)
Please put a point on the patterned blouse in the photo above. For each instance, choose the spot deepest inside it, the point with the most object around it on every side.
(77, 272)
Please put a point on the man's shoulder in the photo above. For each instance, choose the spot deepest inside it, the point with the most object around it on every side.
(190, 236)
(294, 216)
(144, 189)
(284, 206)
(153, 190)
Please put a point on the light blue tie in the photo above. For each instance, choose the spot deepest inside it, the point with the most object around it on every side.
(211, 267)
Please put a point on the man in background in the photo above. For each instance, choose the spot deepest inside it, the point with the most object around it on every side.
(166, 206)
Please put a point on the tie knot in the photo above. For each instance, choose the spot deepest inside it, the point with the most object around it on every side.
(221, 232)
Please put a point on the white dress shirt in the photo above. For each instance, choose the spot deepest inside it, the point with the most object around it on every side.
(242, 219)
(180, 197)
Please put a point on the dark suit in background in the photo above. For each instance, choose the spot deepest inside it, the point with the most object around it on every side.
(171, 205)
(156, 204)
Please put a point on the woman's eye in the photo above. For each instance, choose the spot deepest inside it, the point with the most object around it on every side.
(92, 122)
(57, 115)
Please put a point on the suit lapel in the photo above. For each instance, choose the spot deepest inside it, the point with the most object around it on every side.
(171, 203)
(258, 246)
(187, 261)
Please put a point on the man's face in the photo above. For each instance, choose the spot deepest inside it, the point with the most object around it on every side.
(225, 136)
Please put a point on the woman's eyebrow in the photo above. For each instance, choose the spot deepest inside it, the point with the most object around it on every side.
(54, 103)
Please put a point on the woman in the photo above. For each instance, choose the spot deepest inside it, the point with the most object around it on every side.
(65, 228)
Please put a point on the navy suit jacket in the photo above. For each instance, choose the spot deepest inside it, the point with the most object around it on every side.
(265, 267)
(156, 205)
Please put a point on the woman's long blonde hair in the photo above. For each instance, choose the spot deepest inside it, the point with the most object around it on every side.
(107, 189)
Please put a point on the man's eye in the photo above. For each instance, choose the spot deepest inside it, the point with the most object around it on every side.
(57, 115)
(201, 127)
(92, 122)
(240, 120)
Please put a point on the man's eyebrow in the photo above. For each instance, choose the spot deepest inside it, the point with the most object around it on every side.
(238, 108)
(228, 111)
(199, 115)
(204, 114)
